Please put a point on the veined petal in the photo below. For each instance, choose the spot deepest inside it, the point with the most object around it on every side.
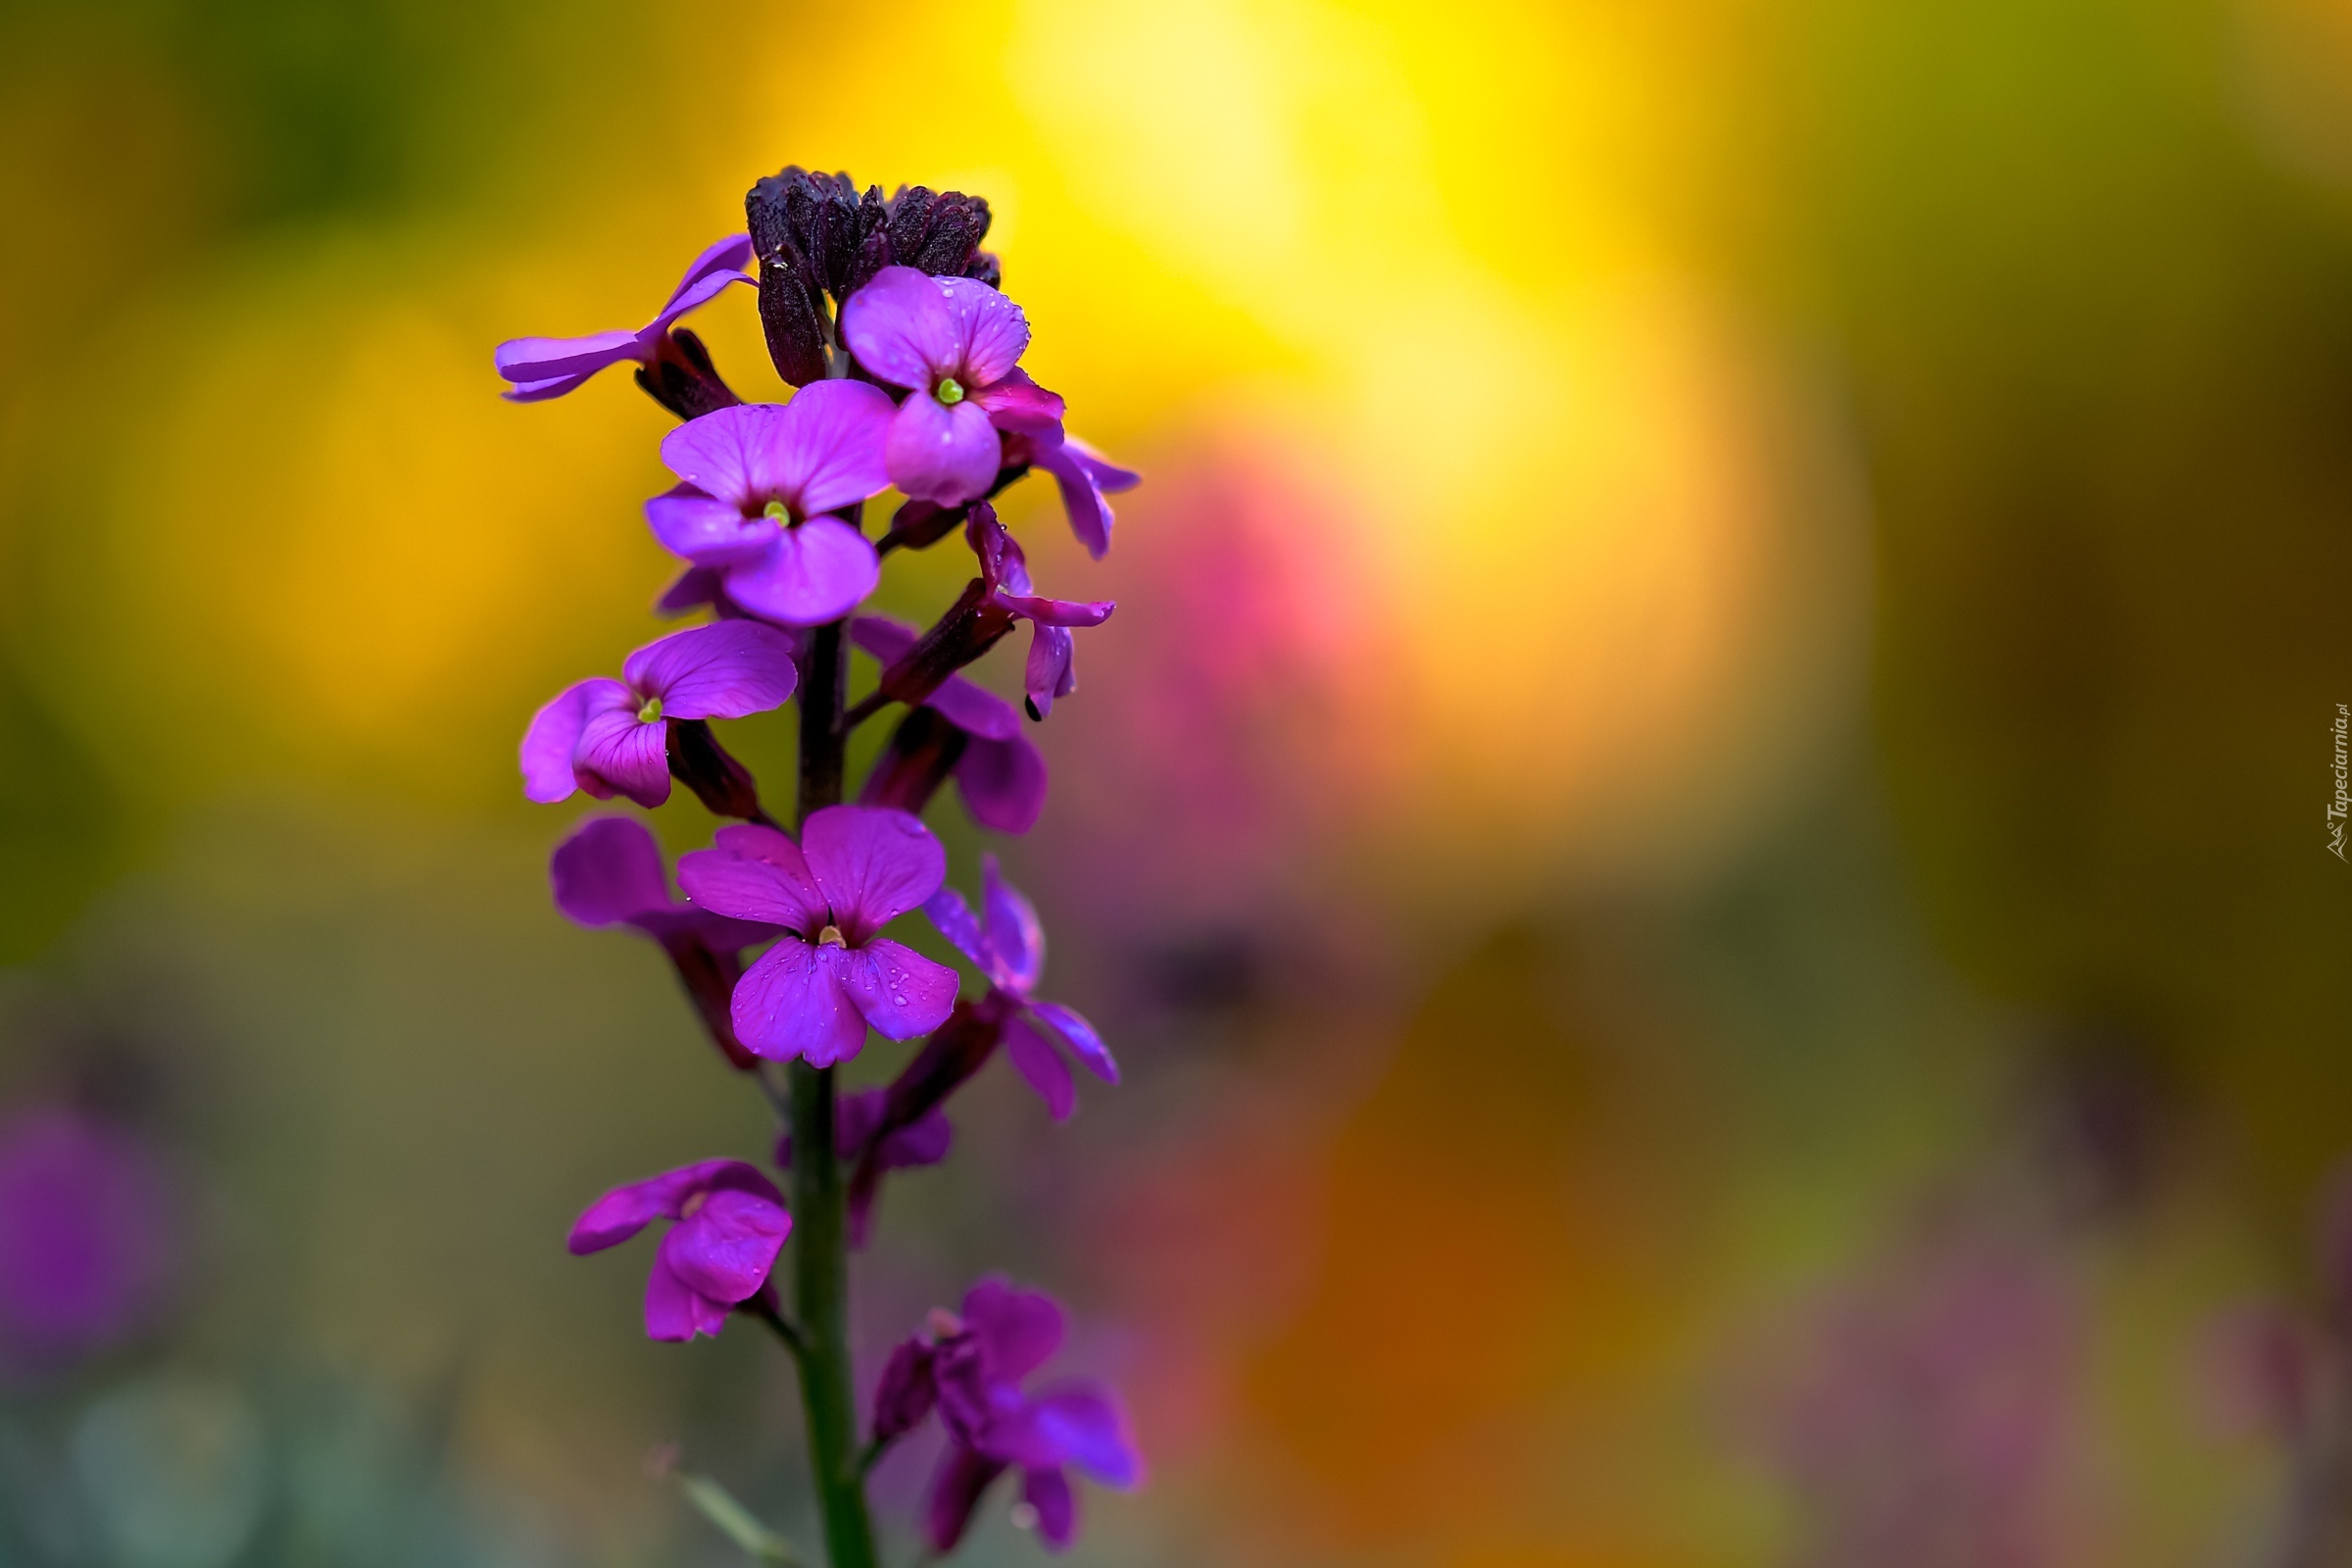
(726, 669)
(791, 1003)
(1002, 782)
(953, 919)
(1084, 476)
(942, 453)
(675, 1311)
(625, 1210)
(610, 871)
(873, 864)
(755, 873)
(621, 755)
(1016, 403)
(1042, 1067)
(828, 443)
(1061, 612)
(901, 992)
(1108, 477)
(725, 1248)
(1088, 1423)
(694, 296)
(1018, 1331)
(900, 328)
(1084, 1043)
(729, 454)
(991, 332)
(703, 528)
(554, 736)
(1048, 1493)
(812, 573)
(1011, 920)
(1052, 668)
(547, 359)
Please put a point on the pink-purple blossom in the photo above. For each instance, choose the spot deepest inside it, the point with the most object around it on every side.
(758, 484)
(830, 974)
(970, 1369)
(1051, 670)
(956, 345)
(612, 737)
(543, 368)
(731, 1223)
(87, 1235)
(998, 772)
(1008, 945)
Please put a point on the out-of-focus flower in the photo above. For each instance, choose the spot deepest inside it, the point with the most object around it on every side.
(610, 873)
(970, 1369)
(544, 367)
(87, 1235)
(612, 737)
(1051, 670)
(956, 345)
(731, 1223)
(831, 973)
(1000, 774)
(1009, 944)
(757, 484)
(857, 1118)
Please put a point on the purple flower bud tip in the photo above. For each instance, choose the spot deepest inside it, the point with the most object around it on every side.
(1008, 945)
(731, 1223)
(543, 368)
(855, 870)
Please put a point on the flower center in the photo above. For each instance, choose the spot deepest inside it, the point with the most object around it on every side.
(651, 711)
(950, 391)
(692, 1206)
(778, 510)
(831, 936)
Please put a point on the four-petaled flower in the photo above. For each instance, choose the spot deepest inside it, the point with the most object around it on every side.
(971, 1369)
(1051, 670)
(731, 1223)
(1008, 945)
(830, 974)
(758, 484)
(956, 345)
(544, 367)
(612, 737)
(997, 771)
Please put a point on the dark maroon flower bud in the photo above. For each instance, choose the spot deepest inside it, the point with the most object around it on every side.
(922, 753)
(682, 378)
(721, 783)
(906, 1391)
(972, 625)
(940, 233)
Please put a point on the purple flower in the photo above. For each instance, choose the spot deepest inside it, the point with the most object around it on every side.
(856, 1117)
(544, 367)
(1084, 476)
(1049, 671)
(829, 975)
(758, 481)
(731, 1223)
(1008, 945)
(971, 1369)
(610, 873)
(998, 771)
(612, 737)
(86, 1234)
(956, 345)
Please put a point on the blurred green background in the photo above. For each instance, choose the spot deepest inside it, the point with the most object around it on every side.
(1703, 826)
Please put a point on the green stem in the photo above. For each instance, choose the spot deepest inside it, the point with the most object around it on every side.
(821, 1275)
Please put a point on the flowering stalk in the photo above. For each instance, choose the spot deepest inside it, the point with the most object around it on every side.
(886, 314)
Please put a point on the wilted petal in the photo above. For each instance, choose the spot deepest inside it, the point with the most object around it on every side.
(901, 992)
(554, 738)
(829, 445)
(727, 670)
(1017, 1330)
(814, 573)
(937, 453)
(675, 1311)
(1011, 920)
(1002, 782)
(791, 1003)
(900, 328)
(873, 864)
(725, 1248)
(1019, 404)
(1042, 1066)
(699, 528)
(610, 871)
(1048, 1491)
(755, 873)
(955, 1491)
(1088, 1423)
(621, 754)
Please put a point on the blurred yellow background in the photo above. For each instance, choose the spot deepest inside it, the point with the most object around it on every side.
(1724, 675)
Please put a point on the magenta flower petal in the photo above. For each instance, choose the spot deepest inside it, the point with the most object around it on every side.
(792, 1004)
(529, 360)
(1080, 1034)
(809, 574)
(1061, 612)
(990, 332)
(1002, 783)
(733, 454)
(873, 864)
(1048, 1493)
(942, 453)
(608, 873)
(900, 327)
(691, 297)
(924, 1141)
(541, 391)
(625, 1210)
(676, 1312)
(729, 254)
(965, 703)
(554, 737)
(901, 992)
(727, 670)
(549, 366)
(1042, 1067)
(1086, 1421)
(1052, 670)
(621, 754)
(1019, 404)
(830, 440)
(954, 919)
(1012, 927)
(699, 528)
(1017, 1330)
(725, 1248)
(755, 873)
(695, 588)
(905, 1394)
(1084, 476)
(955, 1490)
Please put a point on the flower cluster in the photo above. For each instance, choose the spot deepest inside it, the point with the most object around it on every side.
(888, 318)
